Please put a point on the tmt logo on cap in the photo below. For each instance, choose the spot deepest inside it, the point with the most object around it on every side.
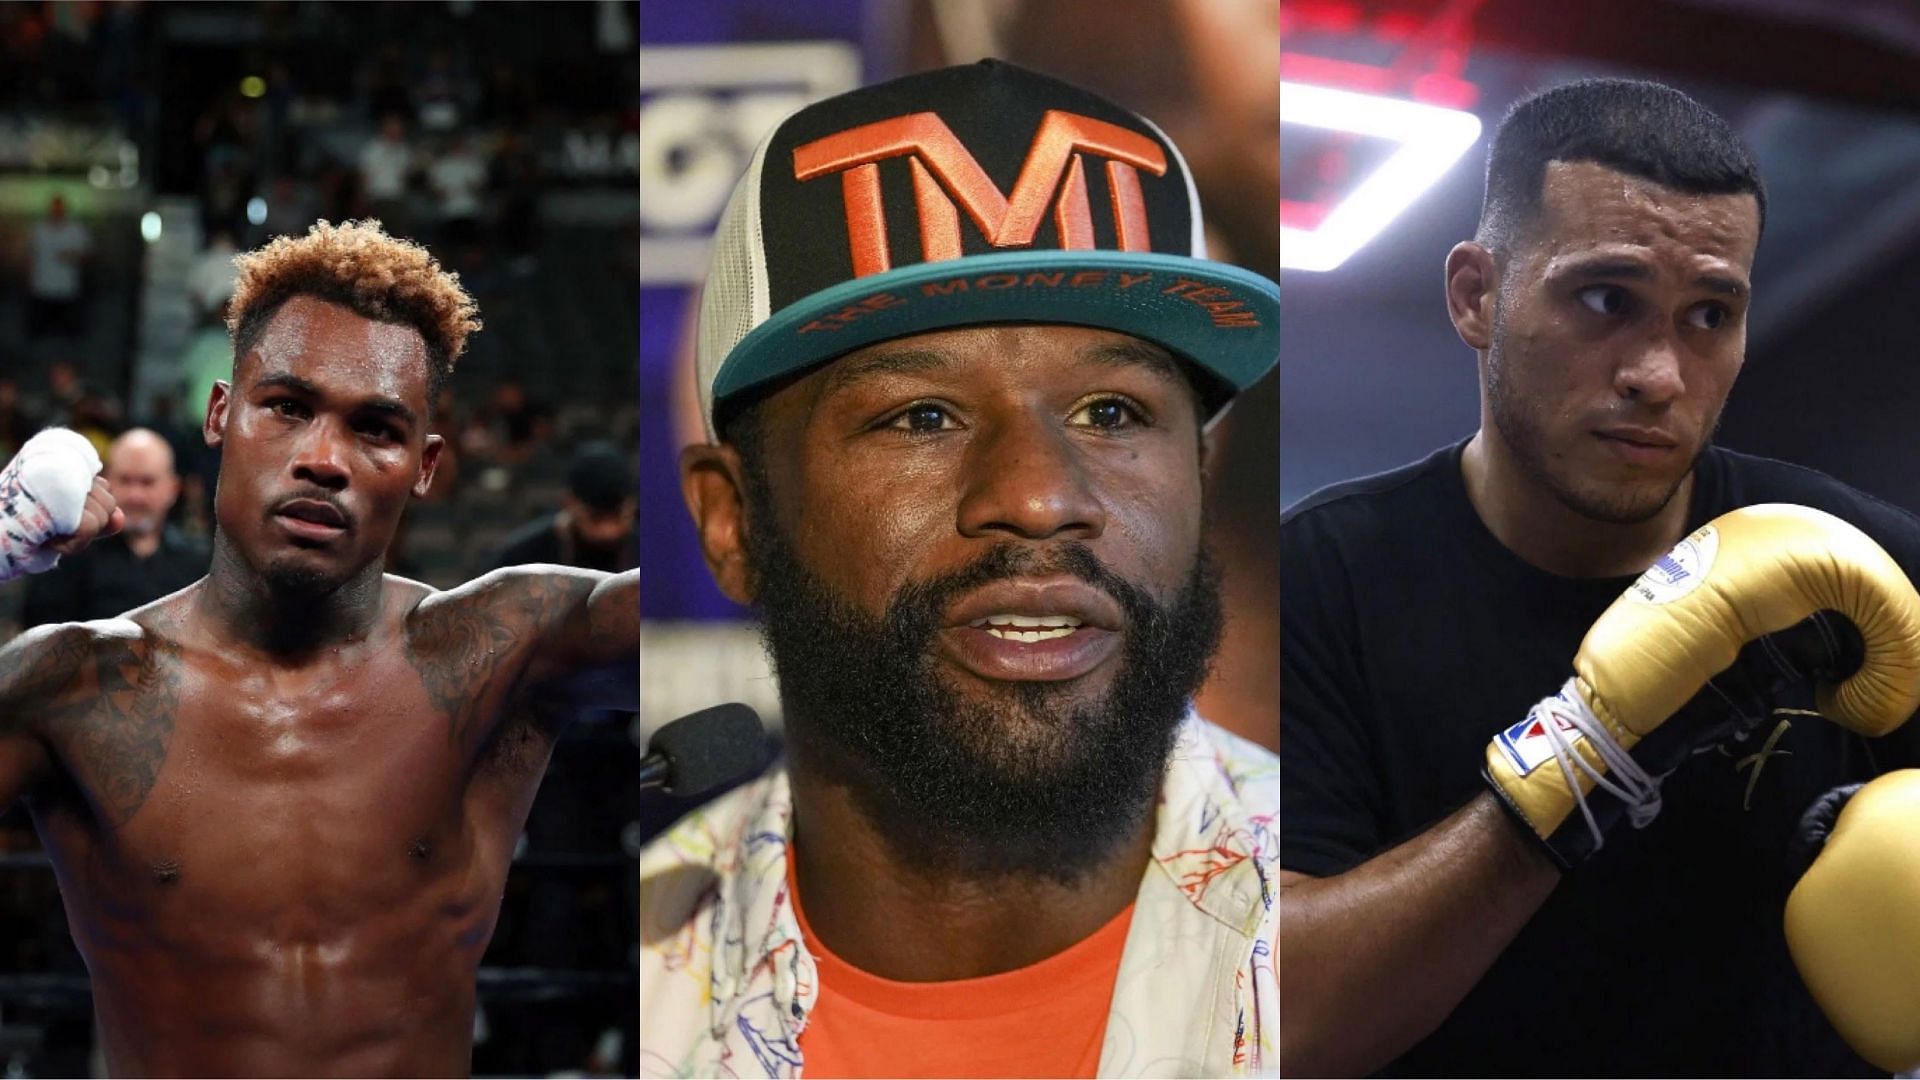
(970, 196)
(938, 160)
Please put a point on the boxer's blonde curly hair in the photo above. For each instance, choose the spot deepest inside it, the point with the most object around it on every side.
(357, 265)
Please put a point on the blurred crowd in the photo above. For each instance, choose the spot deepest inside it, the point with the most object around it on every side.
(425, 145)
(70, 56)
(433, 142)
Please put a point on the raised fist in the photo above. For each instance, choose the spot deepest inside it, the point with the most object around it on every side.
(53, 502)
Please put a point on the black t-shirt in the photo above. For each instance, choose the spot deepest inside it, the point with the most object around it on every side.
(1411, 636)
(107, 579)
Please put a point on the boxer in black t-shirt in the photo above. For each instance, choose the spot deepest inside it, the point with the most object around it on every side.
(1425, 931)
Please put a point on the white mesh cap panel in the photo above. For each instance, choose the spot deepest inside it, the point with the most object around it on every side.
(734, 298)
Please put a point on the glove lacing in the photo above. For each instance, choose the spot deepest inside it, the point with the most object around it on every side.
(1623, 776)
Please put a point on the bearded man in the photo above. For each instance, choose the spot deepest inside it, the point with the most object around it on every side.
(956, 463)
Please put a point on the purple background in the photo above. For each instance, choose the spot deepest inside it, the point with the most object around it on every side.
(676, 583)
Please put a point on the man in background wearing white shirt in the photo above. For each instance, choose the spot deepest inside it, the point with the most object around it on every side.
(59, 248)
(386, 164)
(457, 178)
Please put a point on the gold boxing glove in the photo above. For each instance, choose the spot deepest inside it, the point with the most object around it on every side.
(1851, 922)
(1748, 573)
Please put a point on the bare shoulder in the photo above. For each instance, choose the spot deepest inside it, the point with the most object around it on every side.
(471, 643)
(103, 696)
(47, 663)
(528, 597)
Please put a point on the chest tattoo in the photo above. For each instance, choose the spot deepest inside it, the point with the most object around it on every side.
(115, 733)
(456, 650)
(459, 649)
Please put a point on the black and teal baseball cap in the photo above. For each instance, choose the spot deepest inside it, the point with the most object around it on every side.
(969, 195)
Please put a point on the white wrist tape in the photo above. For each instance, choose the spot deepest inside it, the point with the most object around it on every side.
(43, 492)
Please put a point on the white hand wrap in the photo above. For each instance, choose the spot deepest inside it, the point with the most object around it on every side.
(43, 492)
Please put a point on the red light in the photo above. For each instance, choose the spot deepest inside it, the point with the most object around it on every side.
(1445, 90)
(1433, 88)
(1303, 215)
(1397, 26)
(1331, 16)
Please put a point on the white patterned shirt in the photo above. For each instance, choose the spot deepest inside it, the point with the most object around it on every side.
(726, 984)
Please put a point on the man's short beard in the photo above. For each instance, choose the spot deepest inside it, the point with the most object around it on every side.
(1029, 783)
(295, 580)
(1519, 431)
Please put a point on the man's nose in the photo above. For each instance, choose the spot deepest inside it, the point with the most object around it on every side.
(1026, 479)
(320, 455)
(1652, 375)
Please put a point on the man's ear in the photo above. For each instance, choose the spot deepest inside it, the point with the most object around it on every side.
(213, 428)
(1473, 286)
(429, 461)
(713, 481)
(1211, 443)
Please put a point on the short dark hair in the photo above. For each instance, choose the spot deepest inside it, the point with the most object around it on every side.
(598, 476)
(1639, 128)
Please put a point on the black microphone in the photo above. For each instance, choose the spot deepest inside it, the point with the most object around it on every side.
(705, 750)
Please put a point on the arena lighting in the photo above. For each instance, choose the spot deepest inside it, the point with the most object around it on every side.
(1431, 139)
(150, 227)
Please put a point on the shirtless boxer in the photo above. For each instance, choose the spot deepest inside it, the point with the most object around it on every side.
(281, 802)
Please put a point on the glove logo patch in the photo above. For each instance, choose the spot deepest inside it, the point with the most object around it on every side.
(1679, 571)
(1527, 744)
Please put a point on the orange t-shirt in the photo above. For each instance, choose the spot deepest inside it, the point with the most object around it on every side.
(1046, 1019)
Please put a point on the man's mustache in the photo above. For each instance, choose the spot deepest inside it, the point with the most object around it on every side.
(917, 607)
(316, 495)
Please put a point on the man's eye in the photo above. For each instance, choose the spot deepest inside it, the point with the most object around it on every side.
(924, 418)
(1108, 413)
(1707, 316)
(377, 430)
(1603, 299)
(283, 407)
